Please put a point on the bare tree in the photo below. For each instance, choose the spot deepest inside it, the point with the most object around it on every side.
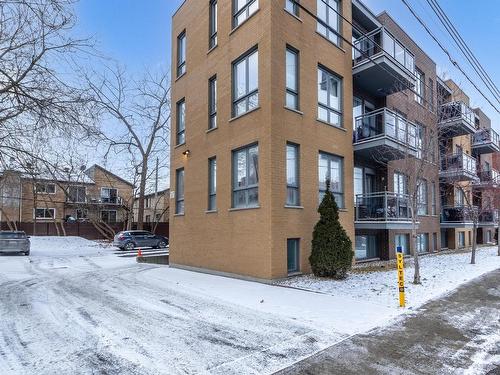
(140, 113)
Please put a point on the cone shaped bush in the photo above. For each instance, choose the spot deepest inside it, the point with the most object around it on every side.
(331, 253)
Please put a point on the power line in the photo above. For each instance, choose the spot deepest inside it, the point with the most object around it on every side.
(455, 63)
(464, 48)
(364, 53)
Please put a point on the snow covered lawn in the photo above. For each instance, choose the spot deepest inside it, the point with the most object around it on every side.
(74, 306)
(440, 273)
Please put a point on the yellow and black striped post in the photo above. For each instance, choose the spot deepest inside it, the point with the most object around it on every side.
(401, 276)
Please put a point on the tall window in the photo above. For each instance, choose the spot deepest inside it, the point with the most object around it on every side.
(179, 191)
(293, 255)
(212, 184)
(242, 9)
(292, 78)
(330, 167)
(246, 177)
(330, 21)
(212, 28)
(420, 141)
(358, 182)
(423, 242)
(433, 198)
(400, 183)
(246, 83)
(419, 87)
(422, 198)
(292, 7)
(212, 103)
(181, 54)
(459, 197)
(431, 95)
(181, 122)
(329, 97)
(292, 175)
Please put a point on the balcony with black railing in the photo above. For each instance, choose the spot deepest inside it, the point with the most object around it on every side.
(488, 179)
(488, 218)
(485, 141)
(385, 135)
(455, 119)
(458, 216)
(382, 64)
(383, 210)
(458, 167)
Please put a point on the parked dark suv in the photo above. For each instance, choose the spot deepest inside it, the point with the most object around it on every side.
(131, 239)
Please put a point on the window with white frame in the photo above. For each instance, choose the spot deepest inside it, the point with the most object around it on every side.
(246, 177)
(459, 197)
(292, 78)
(179, 191)
(292, 175)
(246, 82)
(400, 183)
(109, 195)
(181, 122)
(45, 213)
(212, 28)
(181, 54)
(108, 216)
(81, 213)
(243, 9)
(329, 20)
(212, 184)
(45, 188)
(422, 208)
(330, 167)
(212, 102)
(77, 194)
(420, 86)
(329, 97)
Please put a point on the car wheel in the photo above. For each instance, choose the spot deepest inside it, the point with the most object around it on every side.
(129, 246)
(162, 244)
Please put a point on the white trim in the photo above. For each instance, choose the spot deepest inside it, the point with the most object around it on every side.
(44, 208)
(45, 184)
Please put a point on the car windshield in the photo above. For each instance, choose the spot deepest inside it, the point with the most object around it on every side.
(12, 235)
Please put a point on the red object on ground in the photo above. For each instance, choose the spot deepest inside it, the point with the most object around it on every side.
(139, 253)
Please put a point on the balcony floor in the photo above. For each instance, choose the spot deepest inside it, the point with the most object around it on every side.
(455, 128)
(383, 149)
(381, 80)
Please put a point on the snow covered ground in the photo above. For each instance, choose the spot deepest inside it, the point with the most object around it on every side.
(75, 307)
(440, 273)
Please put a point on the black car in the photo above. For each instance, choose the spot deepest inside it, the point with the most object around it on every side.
(131, 239)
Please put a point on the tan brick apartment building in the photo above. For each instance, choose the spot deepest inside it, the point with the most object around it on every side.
(268, 104)
(96, 194)
(156, 207)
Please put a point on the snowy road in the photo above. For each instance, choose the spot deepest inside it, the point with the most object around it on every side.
(76, 307)
(92, 312)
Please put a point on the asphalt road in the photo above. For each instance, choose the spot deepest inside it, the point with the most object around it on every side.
(458, 334)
